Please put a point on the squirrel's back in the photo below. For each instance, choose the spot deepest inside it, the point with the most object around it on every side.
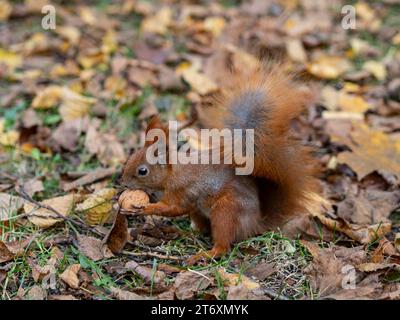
(267, 99)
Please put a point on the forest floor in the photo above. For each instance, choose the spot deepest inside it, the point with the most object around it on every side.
(74, 102)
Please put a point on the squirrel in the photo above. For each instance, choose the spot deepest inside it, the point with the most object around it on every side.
(236, 207)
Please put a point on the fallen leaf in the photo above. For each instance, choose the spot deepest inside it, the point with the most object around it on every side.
(241, 292)
(45, 218)
(377, 68)
(157, 23)
(5, 10)
(328, 67)
(371, 150)
(188, 283)
(326, 272)
(93, 248)
(13, 249)
(33, 186)
(9, 205)
(261, 271)
(36, 293)
(232, 279)
(295, 50)
(70, 276)
(118, 235)
(198, 81)
(97, 206)
(10, 59)
(146, 273)
(125, 295)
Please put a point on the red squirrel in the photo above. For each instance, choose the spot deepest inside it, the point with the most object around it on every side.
(236, 207)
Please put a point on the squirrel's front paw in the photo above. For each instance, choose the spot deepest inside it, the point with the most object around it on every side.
(133, 210)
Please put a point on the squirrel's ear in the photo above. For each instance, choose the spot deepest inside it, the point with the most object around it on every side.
(155, 123)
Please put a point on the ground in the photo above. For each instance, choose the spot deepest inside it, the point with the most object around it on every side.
(75, 96)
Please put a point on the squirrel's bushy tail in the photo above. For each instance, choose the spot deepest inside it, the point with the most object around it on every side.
(267, 99)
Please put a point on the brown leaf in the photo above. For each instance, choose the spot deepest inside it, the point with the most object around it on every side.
(371, 150)
(32, 186)
(61, 297)
(125, 295)
(326, 270)
(261, 271)
(93, 248)
(36, 293)
(70, 276)
(118, 235)
(188, 284)
(242, 292)
(12, 249)
(45, 218)
(9, 205)
(146, 273)
(368, 207)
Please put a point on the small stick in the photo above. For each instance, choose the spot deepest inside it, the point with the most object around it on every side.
(154, 255)
(90, 177)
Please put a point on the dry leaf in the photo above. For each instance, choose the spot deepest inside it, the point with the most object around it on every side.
(70, 276)
(9, 205)
(371, 150)
(231, 279)
(93, 248)
(118, 235)
(146, 273)
(5, 10)
(377, 68)
(44, 218)
(97, 206)
(328, 67)
(198, 81)
(36, 293)
(188, 283)
(13, 249)
(10, 59)
(158, 23)
(125, 295)
(295, 50)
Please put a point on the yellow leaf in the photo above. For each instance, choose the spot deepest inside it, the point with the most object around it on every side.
(110, 42)
(158, 23)
(295, 50)
(328, 67)
(215, 25)
(198, 81)
(352, 103)
(377, 68)
(87, 16)
(72, 34)
(10, 59)
(232, 279)
(370, 150)
(48, 98)
(74, 105)
(5, 10)
(396, 39)
(92, 59)
(44, 218)
(98, 206)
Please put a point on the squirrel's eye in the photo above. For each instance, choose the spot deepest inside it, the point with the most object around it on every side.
(143, 171)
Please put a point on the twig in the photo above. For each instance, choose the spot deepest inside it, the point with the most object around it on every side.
(27, 197)
(274, 295)
(153, 255)
(90, 177)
